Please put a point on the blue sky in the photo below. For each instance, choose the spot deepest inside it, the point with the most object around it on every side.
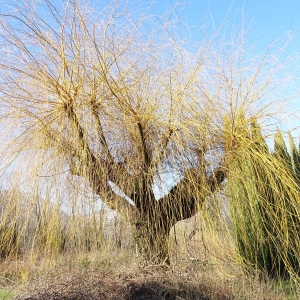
(266, 22)
(270, 18)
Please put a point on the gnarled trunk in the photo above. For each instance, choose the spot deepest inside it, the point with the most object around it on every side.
(152, 238)
(153, 244)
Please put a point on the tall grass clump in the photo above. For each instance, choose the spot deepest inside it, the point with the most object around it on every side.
(265, 205)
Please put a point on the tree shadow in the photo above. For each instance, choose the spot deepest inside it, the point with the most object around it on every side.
(160, 291)
(103, 289)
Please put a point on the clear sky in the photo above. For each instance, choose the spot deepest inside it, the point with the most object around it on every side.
(266, 22)
(270, 17)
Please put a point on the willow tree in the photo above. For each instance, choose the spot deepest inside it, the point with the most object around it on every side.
(122, 101)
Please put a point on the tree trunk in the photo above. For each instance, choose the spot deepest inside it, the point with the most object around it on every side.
(152, 239)
(152, 227)
(154, 219)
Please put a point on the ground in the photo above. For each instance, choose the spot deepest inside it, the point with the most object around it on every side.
(202, 267)
(121, 278)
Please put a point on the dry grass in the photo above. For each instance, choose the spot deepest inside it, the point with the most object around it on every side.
(203, 266)
(122, 278)
(116, 273)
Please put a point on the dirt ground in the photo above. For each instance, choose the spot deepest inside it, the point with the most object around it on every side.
(136, 283)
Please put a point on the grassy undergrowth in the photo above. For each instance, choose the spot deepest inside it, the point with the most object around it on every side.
(6, 294)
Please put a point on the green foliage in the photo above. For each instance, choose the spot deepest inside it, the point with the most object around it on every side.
(7, 294)
(264, 200)
(295, 157)
(10, 242)
(85, 262)
(280, 149)
(9, 235)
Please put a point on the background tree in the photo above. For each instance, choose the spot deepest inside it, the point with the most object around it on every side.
(264, 197)
(123, 102)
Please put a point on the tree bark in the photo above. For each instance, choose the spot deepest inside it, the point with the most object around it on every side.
(152, 240)
(152, 226)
